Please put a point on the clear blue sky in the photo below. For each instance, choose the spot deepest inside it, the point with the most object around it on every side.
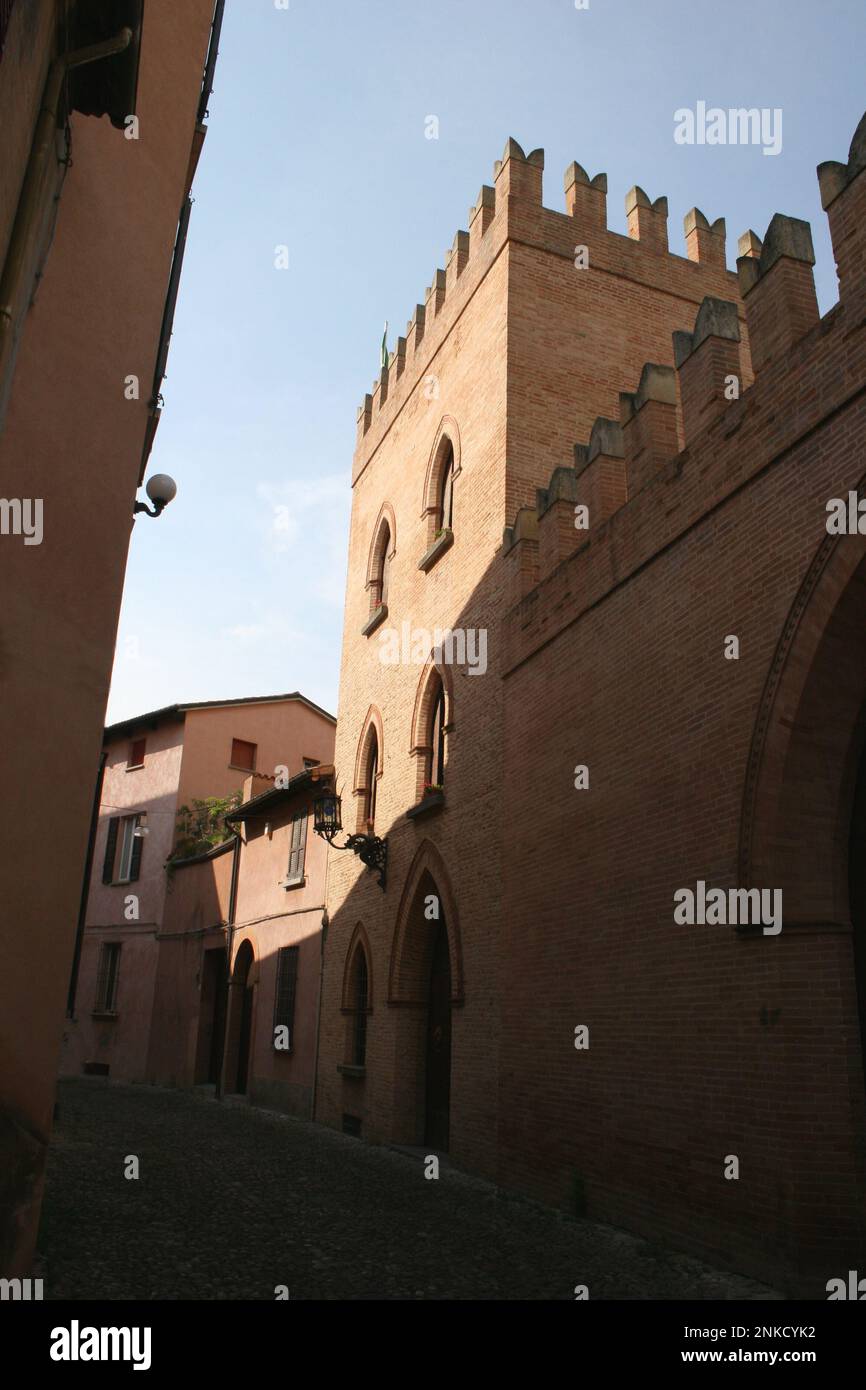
(317, 141)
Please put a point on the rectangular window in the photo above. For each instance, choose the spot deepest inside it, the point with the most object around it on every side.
(244, 755)
(298, 848)
(284, 998)
(107, 978)
(130, 850)
(136, 753)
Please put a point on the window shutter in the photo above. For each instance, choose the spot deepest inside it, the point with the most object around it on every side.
(110, 850)
(287, 980)
(297, 853)
(135, 861)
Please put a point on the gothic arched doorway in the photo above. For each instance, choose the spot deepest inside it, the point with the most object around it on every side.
(437, 1079)
(241, 1020)
(425, 983)
(857, 890)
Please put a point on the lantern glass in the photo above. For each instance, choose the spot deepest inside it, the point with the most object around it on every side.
(326, 814)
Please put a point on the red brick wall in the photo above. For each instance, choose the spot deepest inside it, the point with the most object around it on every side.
(703, 1043)
(526, 350)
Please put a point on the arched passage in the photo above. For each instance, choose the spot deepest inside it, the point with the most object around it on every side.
(803, 827)
(424, 986)
(241, 1018)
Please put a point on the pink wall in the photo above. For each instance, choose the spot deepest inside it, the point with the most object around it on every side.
(197, 902)
(285, 732)
(122, 1042)
(154, 1036)
(269, 916)
(151, 788)
(74, 441)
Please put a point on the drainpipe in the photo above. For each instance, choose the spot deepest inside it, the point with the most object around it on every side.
(41, 152)
(230, 931)
(210, 65)
(319, 1011)
(85, 888)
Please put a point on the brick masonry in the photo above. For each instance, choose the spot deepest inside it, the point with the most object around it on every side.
(606, 648)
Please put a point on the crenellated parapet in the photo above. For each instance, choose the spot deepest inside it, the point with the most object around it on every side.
(511, 208)
(843, 198)
(778, 288)
(692, 432)
(708, 365)
(647, 222)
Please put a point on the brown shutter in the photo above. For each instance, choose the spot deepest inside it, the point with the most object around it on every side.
(135, 858)
(110, 850)
(297, 853)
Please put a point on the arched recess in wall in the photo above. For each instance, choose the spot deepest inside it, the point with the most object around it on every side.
(383, 546)
(807, 743)
(408, 974)
(359, 941)
(246, 958)
(444, 453)
(435, 676)
(369, 766)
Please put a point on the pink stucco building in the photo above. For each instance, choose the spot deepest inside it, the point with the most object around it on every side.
(120, 1023)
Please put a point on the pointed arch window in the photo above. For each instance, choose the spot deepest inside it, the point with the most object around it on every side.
(384, 568)
(371, 780)
(443, 470)
(446, 493)
(360, 1002)
(382, 548)
(437, 739)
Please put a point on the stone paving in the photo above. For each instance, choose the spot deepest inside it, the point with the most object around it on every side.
(232, 1202)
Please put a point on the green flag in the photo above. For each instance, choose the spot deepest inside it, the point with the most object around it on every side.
(384, 354)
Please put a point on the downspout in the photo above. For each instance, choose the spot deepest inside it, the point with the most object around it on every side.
(171, 299)
(85, 888)
(210, 65)
(230, 932)
(319, 1010)
(42, 149)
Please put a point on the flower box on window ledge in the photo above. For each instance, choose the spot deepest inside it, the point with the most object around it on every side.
(442, 541)
(433, 798)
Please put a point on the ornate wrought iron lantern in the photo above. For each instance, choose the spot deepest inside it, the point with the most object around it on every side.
(327, 822)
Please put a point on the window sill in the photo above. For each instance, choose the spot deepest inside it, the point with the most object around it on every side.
(289, 883)
(430, 803)
(106, 1015)
(437, 549)
(349, 1069)
(135, 767)
(377, 617)
(236, 767)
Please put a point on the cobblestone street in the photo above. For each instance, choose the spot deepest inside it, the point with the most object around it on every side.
(232, 1201)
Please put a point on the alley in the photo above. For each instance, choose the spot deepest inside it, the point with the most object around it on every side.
(232, 1202)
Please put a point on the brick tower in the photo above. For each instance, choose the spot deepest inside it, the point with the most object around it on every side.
(537, 324)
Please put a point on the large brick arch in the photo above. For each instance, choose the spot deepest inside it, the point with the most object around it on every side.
(808, 738)
(409, 968)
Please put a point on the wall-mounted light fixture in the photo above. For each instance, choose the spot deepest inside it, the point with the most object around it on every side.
(327, 822)
(161, 489)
